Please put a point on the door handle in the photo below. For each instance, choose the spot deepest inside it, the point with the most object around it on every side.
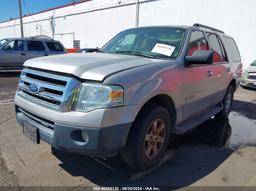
(45, 54)
(23, 54)
(209, 73)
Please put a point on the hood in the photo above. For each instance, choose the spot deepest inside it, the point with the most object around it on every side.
(90, 66)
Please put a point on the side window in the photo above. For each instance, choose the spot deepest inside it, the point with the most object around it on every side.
(14, 45)
(54, 46)
(197, 42)
(35, 45)
(218, 51)
(232, 49)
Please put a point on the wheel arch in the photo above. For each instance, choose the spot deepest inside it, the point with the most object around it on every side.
(163, 100)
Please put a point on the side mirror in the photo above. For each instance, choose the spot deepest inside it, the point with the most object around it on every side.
(200, 57)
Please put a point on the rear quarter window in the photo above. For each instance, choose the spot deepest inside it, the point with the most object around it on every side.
(232, 49)
(54, 46)
(35, 45)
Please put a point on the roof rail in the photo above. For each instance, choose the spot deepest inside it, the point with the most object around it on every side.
(205, 26)
(41, 37)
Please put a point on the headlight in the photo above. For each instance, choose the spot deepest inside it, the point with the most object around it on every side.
(95, 96)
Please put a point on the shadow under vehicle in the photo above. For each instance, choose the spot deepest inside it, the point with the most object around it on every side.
(198, 153)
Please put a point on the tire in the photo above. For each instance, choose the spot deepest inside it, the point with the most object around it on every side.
(54, 151)
(227, 103)
(148, 138)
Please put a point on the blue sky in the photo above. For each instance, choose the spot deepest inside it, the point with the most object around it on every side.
(9, 8)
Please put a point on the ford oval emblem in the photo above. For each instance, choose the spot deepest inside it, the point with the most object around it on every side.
(33, 88)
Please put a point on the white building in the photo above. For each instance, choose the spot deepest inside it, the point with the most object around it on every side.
(93, 23)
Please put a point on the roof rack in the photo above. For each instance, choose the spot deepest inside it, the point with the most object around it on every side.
(41, 37)
(205, 26)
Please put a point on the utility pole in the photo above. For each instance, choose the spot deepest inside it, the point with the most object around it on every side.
(137, 13)
(21, 22)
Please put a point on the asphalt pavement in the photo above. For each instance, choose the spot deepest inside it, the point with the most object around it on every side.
(8, 86)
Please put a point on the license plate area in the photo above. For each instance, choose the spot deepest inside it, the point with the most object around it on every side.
(31, 132)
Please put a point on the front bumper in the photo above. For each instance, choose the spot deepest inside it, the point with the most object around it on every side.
(102, 142)
(248, 83)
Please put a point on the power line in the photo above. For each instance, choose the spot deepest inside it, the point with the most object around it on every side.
(26, 7)
(38, 26)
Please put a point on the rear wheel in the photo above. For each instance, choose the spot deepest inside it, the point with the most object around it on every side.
(148, 139)
(227, 102)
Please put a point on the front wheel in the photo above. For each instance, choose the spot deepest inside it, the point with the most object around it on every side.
(148, 139)
(227, 102)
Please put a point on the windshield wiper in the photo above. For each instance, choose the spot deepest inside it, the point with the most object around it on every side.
(161, 56)
(136, 53)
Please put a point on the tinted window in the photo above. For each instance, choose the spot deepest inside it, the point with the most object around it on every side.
(197, 42)
(232, 49)
(54, 46)
(35, 46)
(14, 45)
(216, 47)
(158, 42)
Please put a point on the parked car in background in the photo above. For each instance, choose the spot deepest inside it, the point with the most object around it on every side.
(249, 76)
(128, 98)
(15, 51)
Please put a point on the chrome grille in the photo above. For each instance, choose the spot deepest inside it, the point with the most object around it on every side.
(47, 88)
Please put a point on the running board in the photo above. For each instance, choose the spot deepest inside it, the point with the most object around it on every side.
(183, 128)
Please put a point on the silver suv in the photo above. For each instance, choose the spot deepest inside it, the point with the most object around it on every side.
(128, 98)
(15, 51)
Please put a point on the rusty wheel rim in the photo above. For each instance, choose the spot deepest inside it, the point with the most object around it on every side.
(154, 139)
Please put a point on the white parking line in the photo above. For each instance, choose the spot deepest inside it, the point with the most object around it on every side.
(9, 93)
(6, 101)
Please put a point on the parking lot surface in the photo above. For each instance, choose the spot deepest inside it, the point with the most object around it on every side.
(8, 86)
(218, 153)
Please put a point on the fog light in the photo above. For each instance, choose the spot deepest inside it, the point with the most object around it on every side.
(85, 137)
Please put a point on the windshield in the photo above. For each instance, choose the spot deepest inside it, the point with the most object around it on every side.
(254, 63)
(3, 41)
(157, 42)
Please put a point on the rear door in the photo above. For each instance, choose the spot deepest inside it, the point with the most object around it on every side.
(198, 81)
(13, 55)
(220, 68)
(35, 48)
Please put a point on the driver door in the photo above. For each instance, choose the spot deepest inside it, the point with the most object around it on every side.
(13, 55)
(198, 80)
